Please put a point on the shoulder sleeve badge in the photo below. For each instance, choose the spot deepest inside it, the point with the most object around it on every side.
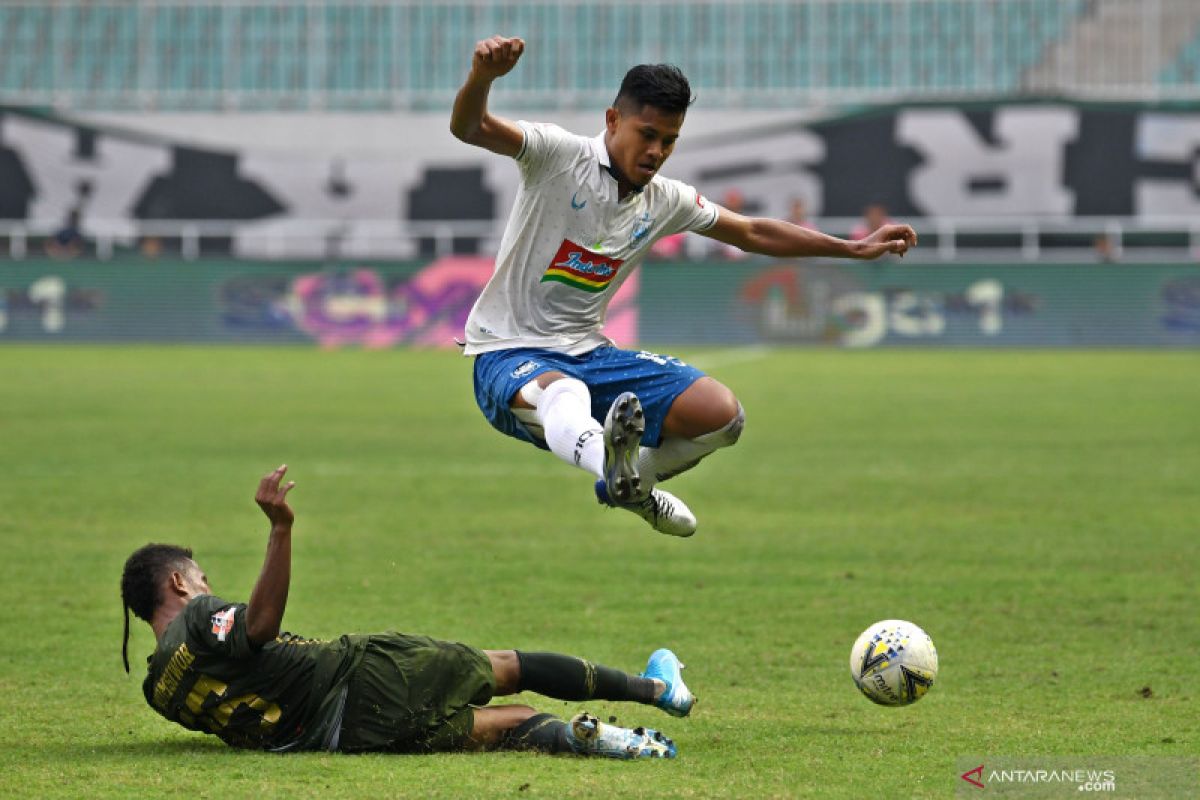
(222, 623)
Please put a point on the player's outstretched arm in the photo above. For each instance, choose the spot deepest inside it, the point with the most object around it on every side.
(264, 613)
(774, 237)
(470, 121)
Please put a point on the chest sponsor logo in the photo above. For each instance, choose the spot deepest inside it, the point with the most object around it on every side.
(222, 623)
(579, 267)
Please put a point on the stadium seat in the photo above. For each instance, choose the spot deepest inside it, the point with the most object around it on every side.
(356, 54)
(1185, 68)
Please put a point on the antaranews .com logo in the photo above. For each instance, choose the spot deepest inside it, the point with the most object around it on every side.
(1087, 780)
(1116, 776)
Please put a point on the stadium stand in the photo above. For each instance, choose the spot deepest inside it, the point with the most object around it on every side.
(1124, 51)
(257, 55)
(1185, 69)
(98, 61)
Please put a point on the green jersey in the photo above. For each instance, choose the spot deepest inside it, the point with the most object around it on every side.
(286, 695)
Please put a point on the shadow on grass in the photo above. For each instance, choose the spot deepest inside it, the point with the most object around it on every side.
(205, 748)
(142, 748)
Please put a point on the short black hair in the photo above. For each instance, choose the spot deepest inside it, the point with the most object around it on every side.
(663, 86)
(144, 573)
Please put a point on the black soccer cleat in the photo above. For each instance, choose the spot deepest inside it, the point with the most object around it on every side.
(623, 429)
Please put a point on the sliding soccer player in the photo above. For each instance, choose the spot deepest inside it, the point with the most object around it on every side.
(226, 669)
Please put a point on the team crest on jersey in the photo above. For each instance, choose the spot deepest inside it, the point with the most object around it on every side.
(222, 623)
(581, 268)
(640, 229)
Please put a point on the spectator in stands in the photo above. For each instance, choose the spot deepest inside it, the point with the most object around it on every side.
(150, 246)
(669, 248)
(1105, 249)
(734, 201)
(67, 241)
(875, 216)
(798, 214)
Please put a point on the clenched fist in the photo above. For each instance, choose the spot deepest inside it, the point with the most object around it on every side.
(496, 56)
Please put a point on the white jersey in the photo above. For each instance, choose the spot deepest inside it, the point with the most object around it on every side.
(570, 244)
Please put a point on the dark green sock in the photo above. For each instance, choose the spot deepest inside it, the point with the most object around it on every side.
(545, 733)
(570, 678)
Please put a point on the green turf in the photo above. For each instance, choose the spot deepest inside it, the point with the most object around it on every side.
(1037, 513)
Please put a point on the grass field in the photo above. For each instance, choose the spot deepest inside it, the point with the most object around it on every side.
(1037, 513)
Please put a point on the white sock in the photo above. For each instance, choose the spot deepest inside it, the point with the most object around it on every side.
(676, 455)
(673, 456)
(565, 411)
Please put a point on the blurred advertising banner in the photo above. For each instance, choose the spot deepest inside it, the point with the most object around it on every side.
(273, 172)
(897, 303)
(371, 305)
(425, 303)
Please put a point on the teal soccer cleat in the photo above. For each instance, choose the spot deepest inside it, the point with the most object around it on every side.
(591, 737)
(665, 666)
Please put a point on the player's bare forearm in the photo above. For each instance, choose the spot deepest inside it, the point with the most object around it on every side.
(264, 613)
(470, 108)
(773, 237)
(779, 239)
(470, 121)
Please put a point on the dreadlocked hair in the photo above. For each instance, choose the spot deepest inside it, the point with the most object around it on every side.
(144, 573)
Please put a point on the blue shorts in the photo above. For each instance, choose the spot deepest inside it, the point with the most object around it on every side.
(607, 371)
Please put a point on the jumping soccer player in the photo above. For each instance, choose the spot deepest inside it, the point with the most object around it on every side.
(225, 669)
(587, 212)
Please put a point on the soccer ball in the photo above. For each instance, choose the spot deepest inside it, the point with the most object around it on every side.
(893, 663)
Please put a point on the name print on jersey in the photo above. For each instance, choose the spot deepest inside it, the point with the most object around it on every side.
(579, 267)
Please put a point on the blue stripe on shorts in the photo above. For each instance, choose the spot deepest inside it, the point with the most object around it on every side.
(656, 379)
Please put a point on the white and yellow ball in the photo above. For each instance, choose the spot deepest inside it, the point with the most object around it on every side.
(894, 663)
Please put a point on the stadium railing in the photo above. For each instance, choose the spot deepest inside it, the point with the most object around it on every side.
(1126, 239)
(252, 55)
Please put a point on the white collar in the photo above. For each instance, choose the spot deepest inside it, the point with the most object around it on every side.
(600, 150)
(601, 153)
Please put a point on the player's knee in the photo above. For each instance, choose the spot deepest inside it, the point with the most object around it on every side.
(546, 396)
(727, 415)
(506, 667)
(737, 424)
(529, 395)
(728, 434)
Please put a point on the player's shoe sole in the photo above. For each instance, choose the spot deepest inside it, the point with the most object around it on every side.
(589, 736)
(665, 666)
(623, 429)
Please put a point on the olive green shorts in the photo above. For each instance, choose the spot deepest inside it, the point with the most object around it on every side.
(413, 694)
